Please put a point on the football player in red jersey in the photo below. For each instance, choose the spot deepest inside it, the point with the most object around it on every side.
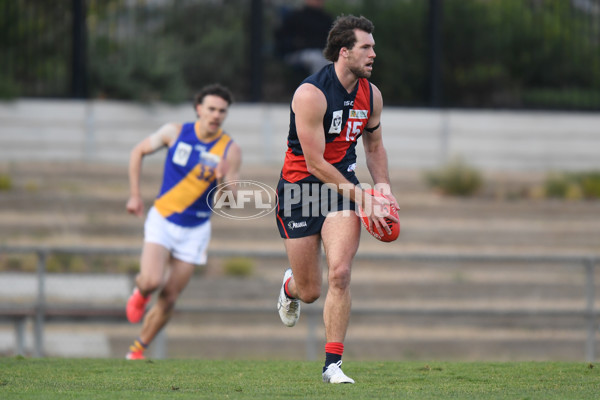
(330, 111)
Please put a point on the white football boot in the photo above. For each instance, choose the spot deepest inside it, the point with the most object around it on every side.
(334, 374)
(289, 309)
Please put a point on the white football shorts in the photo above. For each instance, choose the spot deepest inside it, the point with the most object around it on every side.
(187, 244)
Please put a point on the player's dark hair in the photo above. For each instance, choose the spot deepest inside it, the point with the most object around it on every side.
(342, 34)
(214, 89)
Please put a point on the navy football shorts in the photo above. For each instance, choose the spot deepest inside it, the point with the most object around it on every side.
(303, 206)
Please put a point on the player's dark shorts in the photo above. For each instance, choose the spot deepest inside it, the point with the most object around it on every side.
(302, 207)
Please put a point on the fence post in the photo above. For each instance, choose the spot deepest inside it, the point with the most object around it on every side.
(159, 345)
(20, 336)
(311, 335)
(40, 307)
(256, 50)
(89, 152)
(79, 62)
(434, 31)
(590, 347)
(444, 137)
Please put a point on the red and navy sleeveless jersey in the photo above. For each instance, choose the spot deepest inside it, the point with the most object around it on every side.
(189, 176)
(344, 121)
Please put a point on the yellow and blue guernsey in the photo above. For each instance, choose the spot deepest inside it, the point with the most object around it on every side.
(189, 177)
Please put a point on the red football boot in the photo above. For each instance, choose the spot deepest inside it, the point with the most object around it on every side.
(136, 306)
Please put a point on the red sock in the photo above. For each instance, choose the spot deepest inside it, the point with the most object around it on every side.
(286, 290)
(333, 352)
(334, 348)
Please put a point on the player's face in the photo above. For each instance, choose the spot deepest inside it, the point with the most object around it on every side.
(362, 55)
(212, 112)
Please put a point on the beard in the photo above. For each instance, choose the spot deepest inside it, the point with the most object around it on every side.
(360, 72)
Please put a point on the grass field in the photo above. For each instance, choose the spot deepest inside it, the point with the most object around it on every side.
(23, 378)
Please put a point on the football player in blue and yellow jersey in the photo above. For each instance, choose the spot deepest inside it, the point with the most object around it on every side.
(177, 228)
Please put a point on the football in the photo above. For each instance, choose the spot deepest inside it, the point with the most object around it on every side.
(394, 226)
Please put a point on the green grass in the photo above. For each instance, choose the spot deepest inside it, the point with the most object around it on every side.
(22, 378)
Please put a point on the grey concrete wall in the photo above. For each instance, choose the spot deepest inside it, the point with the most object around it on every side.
(105, 131)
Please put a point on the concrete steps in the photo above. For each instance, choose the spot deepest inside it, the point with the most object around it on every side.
(84, 205)
(87, 201)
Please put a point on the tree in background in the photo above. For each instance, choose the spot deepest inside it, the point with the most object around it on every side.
(533, 54)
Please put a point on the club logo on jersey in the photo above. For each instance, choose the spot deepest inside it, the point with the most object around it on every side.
(336, 123)
(182, 153)
(359, 114)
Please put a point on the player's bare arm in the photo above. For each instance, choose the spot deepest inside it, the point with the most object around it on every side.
(164, 136)
(309, 105)
(375, 153)
(376, 156)
(228, 170)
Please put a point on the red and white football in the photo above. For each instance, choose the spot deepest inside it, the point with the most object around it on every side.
(394, 226)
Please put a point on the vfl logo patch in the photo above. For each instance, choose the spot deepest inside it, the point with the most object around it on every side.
(182, 153)
(359, 114)
(336, 123)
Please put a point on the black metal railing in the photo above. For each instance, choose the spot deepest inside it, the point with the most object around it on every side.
(42, 310)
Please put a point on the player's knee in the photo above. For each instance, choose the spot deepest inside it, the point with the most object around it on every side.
(168, 299)
(310, 296)
(148, 284)
(339, 277)
(310, 293)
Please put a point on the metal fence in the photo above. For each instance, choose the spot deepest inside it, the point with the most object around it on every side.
(41, 311)
(519, 54)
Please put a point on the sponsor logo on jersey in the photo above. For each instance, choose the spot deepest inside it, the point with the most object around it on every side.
(209, 158)
(359, 114)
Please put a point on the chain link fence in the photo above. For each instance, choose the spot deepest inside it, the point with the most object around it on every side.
(515, 54)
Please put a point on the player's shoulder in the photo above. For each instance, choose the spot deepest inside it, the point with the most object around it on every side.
(308, 94)
(166, 135)
(375, 90)
(308, 90)
(226, 136)
(235, 149)
(376, 96)
(172, 128)
(175, 126)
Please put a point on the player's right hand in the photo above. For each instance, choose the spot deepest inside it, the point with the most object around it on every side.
(135, 206)
(377, 209)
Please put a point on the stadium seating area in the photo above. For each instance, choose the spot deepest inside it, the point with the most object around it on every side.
(67, 204)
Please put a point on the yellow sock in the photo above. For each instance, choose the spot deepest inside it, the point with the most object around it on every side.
(138, 345)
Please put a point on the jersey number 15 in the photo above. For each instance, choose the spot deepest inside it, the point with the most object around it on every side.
(353, 130)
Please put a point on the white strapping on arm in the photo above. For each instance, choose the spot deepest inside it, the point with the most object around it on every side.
(164, 136)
